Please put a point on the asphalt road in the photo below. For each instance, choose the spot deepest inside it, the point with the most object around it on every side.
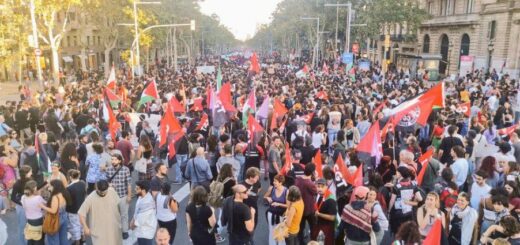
(9, 227)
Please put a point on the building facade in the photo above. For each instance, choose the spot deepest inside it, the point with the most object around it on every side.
(488, 31)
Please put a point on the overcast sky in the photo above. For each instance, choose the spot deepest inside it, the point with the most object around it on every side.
(241, 16)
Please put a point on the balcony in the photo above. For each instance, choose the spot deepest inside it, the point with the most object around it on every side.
(451, 20)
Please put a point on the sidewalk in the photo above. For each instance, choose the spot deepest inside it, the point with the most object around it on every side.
(9, 91)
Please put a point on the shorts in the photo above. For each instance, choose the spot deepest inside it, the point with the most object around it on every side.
(74, 227)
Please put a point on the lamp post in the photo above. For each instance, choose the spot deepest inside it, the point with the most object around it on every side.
(315, 57)
(349, 24)
(135, 43)
(136, 29)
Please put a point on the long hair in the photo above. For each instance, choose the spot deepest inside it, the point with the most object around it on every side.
(144, 140)
(225, 172)
(68, 151)
(57, 188)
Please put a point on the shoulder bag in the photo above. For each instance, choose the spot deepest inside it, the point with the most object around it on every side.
(51, 222)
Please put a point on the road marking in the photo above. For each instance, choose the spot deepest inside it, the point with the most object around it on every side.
(182, 193)
(3, 232)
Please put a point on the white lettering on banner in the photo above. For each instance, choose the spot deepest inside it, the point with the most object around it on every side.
(205, 69)
(411, 118)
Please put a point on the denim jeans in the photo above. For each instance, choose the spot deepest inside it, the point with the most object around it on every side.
(144, 241)
(517, 117)
(60, 238)
(20, 214)
(181, 161)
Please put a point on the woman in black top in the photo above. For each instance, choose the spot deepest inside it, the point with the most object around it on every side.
(69, 158)
(508, 228)
(226, 177)
(200, 218)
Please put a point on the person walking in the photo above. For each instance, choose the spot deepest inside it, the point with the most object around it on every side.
(56, 205)
(308, 192)
(104, 226)
(78, 192)
(31, 201)
(144, 221)
(238, 217)
(198, 170)
(118, 176)
(200, 218)
(276, 196)
(293, 215)
(167, 208)
(326, 211)
(96, 167)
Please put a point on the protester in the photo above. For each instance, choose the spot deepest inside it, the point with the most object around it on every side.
(357, 218)
(239, 217)
(463, 218)
(167, 208)
(276, 197)
(200, 218)
(160, 177)
(479, 189)
(294, 215)
(382, 220)
(102, 206)
(405, 195)
(78, 192)
(326, 211)
(31, 202)
(308, 193)
(429, 213)
(162, 237)
(118, 176)
(96, 167)
(56, 205)
(198, 170)
(144, 221)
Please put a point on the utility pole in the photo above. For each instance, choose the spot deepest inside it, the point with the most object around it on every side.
(349, 24)
(315, 58)
(136, 29)
(36, 44)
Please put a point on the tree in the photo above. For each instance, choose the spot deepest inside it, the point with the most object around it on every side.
(49, 31)
(13, 41)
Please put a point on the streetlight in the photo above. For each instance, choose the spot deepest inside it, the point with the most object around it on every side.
(315, 58)
(349, 25)
(136, 29)
(135, 43)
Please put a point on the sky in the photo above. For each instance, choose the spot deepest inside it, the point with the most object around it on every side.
(240, 16)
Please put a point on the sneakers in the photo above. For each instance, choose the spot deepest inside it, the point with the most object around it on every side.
(125, 235)
(219, 238)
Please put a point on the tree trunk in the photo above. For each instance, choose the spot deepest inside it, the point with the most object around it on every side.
(188, 51)
(107, 62)
(55, 63)
(174, 40)
(82, 60)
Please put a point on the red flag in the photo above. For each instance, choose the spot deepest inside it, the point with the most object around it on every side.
(379, 107)
(437, 93)
(419, 111)
(342, 168)
(279, 110)
(425, 158)
(204, 123)
(420, 176)
(322, 95)
(255, 66)
(308, 118)
(169, 125)
(357, 179)
(371, 143)
(111, 96)
(318, 163)
(389, 127)
(434, 236)
(176, 106)
(287, 166)
(171, 147)
(325, 69)
(465, 108)
(507, 131)
(253, 126)
(197, 105)
(111, 82)
(225, 97)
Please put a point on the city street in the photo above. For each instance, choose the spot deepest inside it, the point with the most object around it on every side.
(180, 192)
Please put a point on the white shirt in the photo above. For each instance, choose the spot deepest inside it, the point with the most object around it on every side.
(164, 213)
(460, 170)
(317, 140)
(478, 193)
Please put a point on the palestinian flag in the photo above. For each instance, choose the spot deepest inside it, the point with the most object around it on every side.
(110, 96)
(303, 72)
(149, 93)
(111, 82)
(249, 106)
(109, 116)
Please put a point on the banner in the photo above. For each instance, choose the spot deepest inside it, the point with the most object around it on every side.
(364, 65)
(347, 58)
(205, 69)
(466, 64)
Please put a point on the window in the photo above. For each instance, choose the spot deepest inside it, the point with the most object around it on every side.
(99, 40)
(88, 40)
(444, 5)
(426, 44)
(75, 41)
(492, 26)
(68, 41)
(72, 16)
(469, 6)
(430, 7)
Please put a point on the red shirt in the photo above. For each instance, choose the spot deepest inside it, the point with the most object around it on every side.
(126, 150)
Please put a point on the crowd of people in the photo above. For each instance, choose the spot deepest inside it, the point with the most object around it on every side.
(70, 176)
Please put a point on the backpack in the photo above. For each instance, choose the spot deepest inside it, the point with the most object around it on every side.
(448, 200)
(216, 189)
(32, 161)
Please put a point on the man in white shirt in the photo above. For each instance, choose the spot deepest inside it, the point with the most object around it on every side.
(479, 189)
(460, 165)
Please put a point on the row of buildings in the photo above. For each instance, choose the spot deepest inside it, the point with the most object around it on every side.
(484, 34)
